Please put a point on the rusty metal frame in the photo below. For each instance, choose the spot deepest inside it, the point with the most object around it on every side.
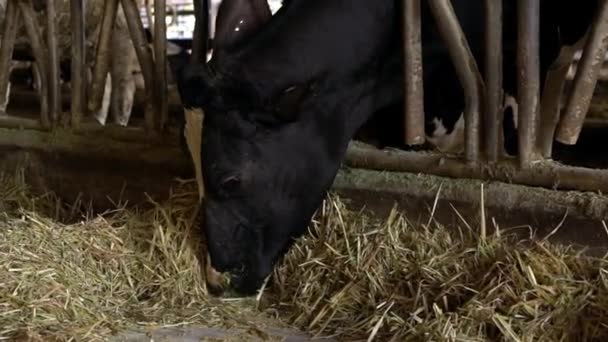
(79, 73)
(586, 78)
(101, 66)
(494, 77)
(53, 64)
(480, 97)
(467, 71)
(200, 36)
(144, 55)
(413, 87)
(6, 49)
(160, 53)
(528, 78)
(29, 17)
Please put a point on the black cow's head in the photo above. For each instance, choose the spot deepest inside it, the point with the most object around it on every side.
(268, 159)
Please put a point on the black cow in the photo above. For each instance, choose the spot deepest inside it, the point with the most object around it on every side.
(282, 105)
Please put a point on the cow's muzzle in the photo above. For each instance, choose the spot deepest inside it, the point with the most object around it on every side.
(216, 282)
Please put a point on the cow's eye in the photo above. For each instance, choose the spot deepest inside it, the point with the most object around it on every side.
(229, 184)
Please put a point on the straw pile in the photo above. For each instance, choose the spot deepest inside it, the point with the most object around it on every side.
(359, 279)
(353, 277)
(98, 275)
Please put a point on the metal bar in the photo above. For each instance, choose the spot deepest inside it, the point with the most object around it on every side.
(414, 93)
(6, 50)
(9, 121)
(493, 73)
(466, 69)
(53, 63)
(102, 57)
(586, 78)
(160, 52)
(528, 77)
(149, 17)
(78, 64)
(144, 55)
(545, 174)
(550, 104)
(29, 19)
(200, 36)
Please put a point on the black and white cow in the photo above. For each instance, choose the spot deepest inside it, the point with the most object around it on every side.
(285, 97)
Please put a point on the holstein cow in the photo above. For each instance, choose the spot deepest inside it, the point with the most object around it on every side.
(285, 97)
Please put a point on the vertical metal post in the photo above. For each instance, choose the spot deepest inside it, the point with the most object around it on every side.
(144, 55)
(31, 27)
(78, 64)
(493, 73)
(466, 69)
(586, 78)
(160, 52)
(528, 77)
(550, 104)
(6, 50)
(53, 63)
(200, 36)
(102, 57)
(412, 65)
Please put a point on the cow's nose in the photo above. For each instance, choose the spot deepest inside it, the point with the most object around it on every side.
(215, 282)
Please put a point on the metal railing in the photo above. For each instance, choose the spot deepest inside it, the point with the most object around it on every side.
(540, 121)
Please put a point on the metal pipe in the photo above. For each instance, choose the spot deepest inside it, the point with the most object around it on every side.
(528, 77)
(6, 51)
(550, 105)
(200, 36)
(29, 17)
(160, 52)
(493, 73)
(466, 69)
(144, 55)
(7, 121)
(102, 57)
(412, 65)
(78, 64)
(149, 17)
(545, 174)
(586, 78)
(53, 63)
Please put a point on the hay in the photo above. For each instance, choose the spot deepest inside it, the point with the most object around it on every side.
(360, 279)
(353, 277)
(103, 274)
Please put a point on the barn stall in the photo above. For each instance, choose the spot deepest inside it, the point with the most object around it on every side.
(99, 233)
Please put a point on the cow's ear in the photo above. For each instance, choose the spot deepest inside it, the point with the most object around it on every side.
(195, 85)
(238, 20)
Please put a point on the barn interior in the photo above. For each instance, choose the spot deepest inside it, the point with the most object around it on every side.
(99, 238)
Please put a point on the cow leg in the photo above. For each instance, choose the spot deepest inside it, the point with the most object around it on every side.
(123, 78)
(511, 103)
(510, 109)
(445, 142)
(102, 114)
(123, 94)
(36, 80)
(4, 105)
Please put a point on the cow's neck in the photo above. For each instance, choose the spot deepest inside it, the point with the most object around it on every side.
(343, 107)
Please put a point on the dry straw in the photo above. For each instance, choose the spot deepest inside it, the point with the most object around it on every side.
(359, 279)
(101, 274)
(67, 274)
